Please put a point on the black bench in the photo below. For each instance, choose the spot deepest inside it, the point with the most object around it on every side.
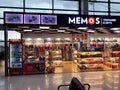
(75, 84)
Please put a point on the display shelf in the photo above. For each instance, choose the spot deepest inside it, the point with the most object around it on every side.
(57, 58)
(75, 56)
(111, 59)
(90, 61)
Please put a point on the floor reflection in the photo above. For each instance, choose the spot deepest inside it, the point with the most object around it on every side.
(101, 80)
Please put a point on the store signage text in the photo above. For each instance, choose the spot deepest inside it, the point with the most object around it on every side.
(81, 20)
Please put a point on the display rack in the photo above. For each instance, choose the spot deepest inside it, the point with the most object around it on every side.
(112, 49)
(75, 56)
(15, 60)
(90, 61)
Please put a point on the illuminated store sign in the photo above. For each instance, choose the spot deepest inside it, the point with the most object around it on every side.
(92, 21)
(80, 20)
(61, 20)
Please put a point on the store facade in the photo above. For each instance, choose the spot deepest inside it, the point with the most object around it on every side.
(61, 43)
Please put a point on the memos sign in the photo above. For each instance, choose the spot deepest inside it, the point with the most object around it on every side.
(81, 20)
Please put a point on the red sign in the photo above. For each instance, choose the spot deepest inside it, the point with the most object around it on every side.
(30, 68)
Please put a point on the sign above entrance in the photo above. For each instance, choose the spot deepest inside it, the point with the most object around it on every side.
(60, 20)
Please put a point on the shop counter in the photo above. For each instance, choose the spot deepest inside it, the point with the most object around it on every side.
(34, 67)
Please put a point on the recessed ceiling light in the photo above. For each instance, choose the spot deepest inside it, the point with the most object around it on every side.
(44, 27)
(60, 30)
(117, 31)
(114, 28)
(82, 28)
(92, 31)
(27, 30)
(28, 39)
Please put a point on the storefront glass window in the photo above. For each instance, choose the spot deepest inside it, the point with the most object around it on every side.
(115, 7)
(71, 5)
(38, 11)
(98, 6)
(66, 12)
(1, 35)
(115, 0)
(14, 35)
(115, 14)
(38, 3)
(8, 9)
(2, 47)
(11, 3)
(1, 21)
(98, 13)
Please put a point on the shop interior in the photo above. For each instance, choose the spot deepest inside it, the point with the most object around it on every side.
(62, 49)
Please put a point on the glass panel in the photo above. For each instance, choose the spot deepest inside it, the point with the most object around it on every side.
(115, 7)
(11, 3)
(98, 6)
(97, 13)
(8, 9)
(1, 21)
(100, 13)
(100, 0)
(38, 11)
(38, 3)
(115, 0)
(115, 14)
(1, 35)
(71, 5)
(66, 12)
(14, 35)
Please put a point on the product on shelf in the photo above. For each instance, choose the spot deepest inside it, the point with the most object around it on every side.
(15, 60)
(91, 61)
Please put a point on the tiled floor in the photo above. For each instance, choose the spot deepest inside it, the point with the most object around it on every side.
(102, 80)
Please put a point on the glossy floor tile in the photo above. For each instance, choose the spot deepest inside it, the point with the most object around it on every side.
(99, 80)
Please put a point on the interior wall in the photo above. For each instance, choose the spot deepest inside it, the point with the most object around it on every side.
(47, 35)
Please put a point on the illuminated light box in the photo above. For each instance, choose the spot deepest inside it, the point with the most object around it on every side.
(14, 18)
(31, 19)
(49, 19)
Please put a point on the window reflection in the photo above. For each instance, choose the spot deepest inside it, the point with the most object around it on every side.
(38, 11)
(14, 35)
(71, 5)
(66, 12)
(1, 21)
(38, 3)
(11, 3)
(98, 13)
(98, 6)
(115, 7)
(1, 34)
(115, 0)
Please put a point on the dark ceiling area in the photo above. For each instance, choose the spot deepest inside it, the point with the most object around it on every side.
(55, 30)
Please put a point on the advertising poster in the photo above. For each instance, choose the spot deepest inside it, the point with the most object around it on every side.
(31, 19)
(49, 19)
(14, 18)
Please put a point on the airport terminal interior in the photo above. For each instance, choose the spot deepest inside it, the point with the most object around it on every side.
(42, 58)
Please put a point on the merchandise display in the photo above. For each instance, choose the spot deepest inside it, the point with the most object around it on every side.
(90, 61)
(15, 60)
(112, 49)
(51, 51)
